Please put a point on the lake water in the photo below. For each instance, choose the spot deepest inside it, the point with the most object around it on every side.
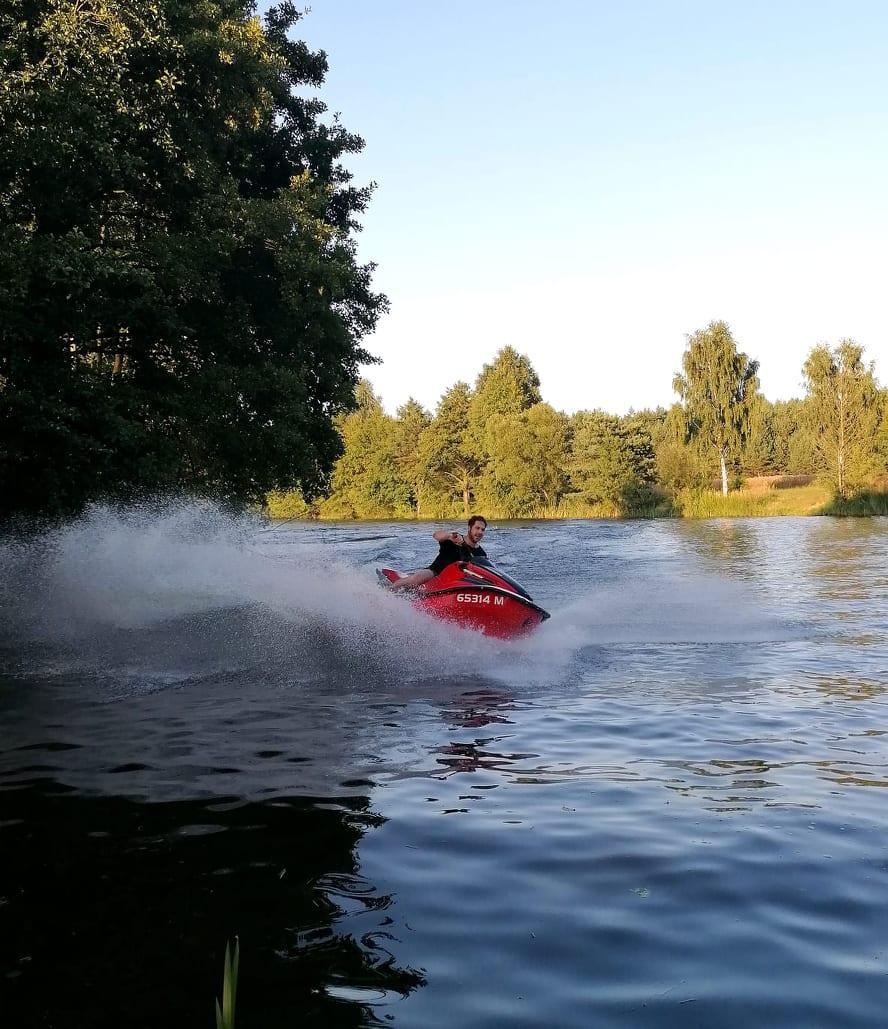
(665, 808)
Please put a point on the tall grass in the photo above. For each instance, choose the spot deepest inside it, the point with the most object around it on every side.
(569, 507)
(863, 504)
(794, 500)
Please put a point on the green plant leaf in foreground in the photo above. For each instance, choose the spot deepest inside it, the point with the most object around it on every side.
(225, 1013)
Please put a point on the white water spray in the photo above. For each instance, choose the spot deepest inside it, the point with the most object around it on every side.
(164, 594)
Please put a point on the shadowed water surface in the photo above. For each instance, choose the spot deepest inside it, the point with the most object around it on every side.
(663, 809)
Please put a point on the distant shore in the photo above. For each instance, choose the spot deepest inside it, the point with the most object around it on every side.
(759, 497)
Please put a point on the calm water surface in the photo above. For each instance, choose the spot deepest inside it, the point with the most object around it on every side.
(666, 808)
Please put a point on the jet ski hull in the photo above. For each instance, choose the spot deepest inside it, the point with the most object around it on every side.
(479, 598)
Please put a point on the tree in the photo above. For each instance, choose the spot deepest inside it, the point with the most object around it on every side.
(180, 301)
(612, 459)
(842, 412)
(680, 461)
(506, 386)
(717, 390)
(881, 438)
(412, 421)
(763, 450)
(367, 480)
(447, 463)
(527, 455)
(794, 449)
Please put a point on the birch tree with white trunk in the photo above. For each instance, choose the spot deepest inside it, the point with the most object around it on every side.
(842, 413)
(717, 391)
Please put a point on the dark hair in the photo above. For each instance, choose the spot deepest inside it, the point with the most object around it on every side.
(477, 518)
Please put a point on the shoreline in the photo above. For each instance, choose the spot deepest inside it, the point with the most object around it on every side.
(768, 501)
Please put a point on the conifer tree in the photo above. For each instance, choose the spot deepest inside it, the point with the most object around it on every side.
(448, 464)
(506, 386)
(412, 421)
(612, 460)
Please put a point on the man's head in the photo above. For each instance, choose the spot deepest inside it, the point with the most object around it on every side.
(477, 525)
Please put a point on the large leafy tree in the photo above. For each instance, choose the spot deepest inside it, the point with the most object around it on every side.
(527, 459)
(180, 300)
(842, 412)
(367, 479)
(717, 388)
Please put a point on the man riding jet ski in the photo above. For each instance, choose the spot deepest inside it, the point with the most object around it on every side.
(453, 546)
(462, 586)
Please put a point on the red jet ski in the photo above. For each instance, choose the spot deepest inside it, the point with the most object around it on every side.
(477, 596)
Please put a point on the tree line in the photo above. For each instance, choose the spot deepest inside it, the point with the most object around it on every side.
(498, 447)
(182, 308)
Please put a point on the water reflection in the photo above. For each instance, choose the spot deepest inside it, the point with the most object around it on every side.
(119, 910)
(727, 542)
(846, 687)
(139, 835)
(847, 558)
(477, 708)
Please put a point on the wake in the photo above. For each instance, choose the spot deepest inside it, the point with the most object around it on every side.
(158, 595)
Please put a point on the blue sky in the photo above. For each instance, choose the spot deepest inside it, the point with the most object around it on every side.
(590, 182)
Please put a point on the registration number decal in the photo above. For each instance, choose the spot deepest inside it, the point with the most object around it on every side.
(479, 598)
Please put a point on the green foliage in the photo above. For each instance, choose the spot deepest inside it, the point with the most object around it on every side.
(717, 390)
(761, 456)
(412, 421)
(290, 505)
(880, 442)
(527, 457)
(507, 386)
(180, 300)
(540, 464)
(780, 439)
(368, 480)
(794, 447)
(680, 462)
(842, 414)
(448, 465)
(225, 1010)
(864, 503)
(613, 460)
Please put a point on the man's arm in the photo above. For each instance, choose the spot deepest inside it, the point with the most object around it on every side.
(454, 537)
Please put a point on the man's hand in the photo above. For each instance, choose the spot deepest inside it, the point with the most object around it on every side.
(457, 539)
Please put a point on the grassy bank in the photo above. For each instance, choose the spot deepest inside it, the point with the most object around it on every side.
(757, 498)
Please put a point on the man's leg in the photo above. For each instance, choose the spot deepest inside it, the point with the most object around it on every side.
(414, 579)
